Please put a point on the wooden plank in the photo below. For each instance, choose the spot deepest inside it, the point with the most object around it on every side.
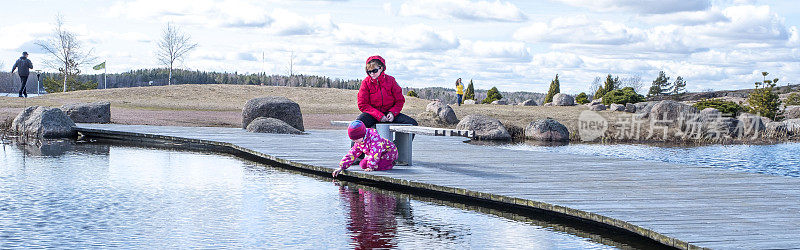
(690, 203)
(432, 131)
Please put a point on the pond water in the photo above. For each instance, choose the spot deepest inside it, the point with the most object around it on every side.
(777, 159)
(87, 195)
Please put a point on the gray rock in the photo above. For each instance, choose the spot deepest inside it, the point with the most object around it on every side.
(598, 107)
(548, 104)
(43, 122)
(96, 112)
(271, 125)
(749, 125)
(277, 107)
(596, 101)
(721, 127)
(562, 99)
(792, 112)
(546, 130)
(710, 114)
(792, 126)
(469, 102)
(500, 102)
(644, 108)
(669, 110)
(617, 107)
(765, 120)
(529, 102)
(486, 128)
(443, 112)
(776, 129)
(630, 108)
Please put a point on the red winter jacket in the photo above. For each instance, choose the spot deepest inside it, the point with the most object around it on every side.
(380, 96)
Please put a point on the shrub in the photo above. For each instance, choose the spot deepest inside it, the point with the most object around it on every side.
(582, 98)
(793, 99)
(622, 96)
(54, 86)
(411, 93)
(492, 95)
(726, 107)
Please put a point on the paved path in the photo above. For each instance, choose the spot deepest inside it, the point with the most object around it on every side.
(674, 204)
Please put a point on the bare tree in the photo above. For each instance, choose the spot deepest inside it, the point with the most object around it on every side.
(173, 46)
(66, 50)
(634, 81)
(596, 84)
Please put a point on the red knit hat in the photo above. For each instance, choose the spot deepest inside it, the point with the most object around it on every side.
(356, 130)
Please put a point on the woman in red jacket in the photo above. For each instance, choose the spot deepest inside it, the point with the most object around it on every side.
(380, 98)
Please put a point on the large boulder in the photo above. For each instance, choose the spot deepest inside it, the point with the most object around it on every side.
(749, 125)
(271, 125)
(617, 107)
(43, 122)
(562, 99)
(469, 102)
(596, 101)
(277, 107)
(443, 113)
(547, 130)
(669, 110)
(96, 112)
(548, 104)
(486, 128)
(792, 112)
(776, 129)
(644, 108)
(500, 102)
(598, 107)
(529, 102)
(630, 108)
(792, 126)
(721, 127)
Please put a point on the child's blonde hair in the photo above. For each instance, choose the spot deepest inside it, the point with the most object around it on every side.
(374, 63)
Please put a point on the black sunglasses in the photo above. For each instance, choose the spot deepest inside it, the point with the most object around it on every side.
(375, 70)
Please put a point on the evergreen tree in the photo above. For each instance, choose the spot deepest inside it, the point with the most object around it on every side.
(555, 88)
(610, 84)
(411, 93)
(599, 93)
(679, 86)
(763, 101)
(661, 85)
(470, 93)
(492, 95)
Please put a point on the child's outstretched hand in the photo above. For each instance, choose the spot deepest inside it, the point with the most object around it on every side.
(336, 172)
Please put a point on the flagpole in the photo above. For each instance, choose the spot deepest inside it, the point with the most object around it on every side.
(105, 84)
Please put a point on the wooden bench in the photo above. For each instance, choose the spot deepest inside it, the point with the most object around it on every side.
(402, 135)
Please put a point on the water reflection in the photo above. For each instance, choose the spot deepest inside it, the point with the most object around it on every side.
(371, 222)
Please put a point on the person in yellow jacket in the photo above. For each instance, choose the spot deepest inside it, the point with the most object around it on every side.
(459, 90)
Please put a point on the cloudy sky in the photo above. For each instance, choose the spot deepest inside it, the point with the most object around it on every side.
(514, 45)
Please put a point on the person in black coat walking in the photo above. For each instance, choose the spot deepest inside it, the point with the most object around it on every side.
(24, 65)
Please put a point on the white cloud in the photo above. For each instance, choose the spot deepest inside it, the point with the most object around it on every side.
(15, 35)
(421, 37)
(418, 37)
(642, 6)
(289, 23)
(557, 60)
(515, 51)
(463, 9)
(686, 17)
(579, 30)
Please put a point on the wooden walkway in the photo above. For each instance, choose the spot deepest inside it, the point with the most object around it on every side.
(679, 205)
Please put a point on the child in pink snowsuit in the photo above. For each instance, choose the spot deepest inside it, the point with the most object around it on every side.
(379, 153)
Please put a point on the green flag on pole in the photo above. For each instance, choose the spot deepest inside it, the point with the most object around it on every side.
(100, 66)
